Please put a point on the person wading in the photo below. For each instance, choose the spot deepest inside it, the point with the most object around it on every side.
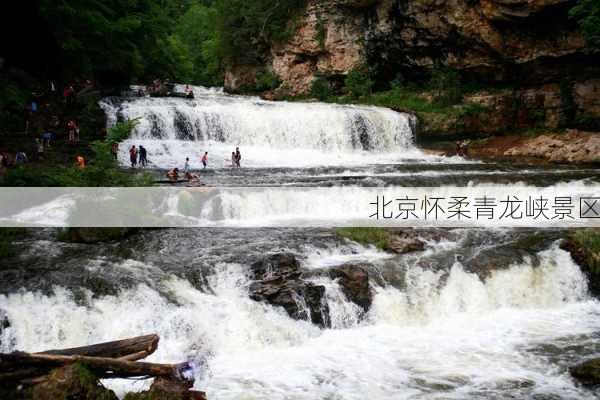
(238, 157)
(143, 156)
(133, 156)
(205, 159)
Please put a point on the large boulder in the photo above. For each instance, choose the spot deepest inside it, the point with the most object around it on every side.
(278, 282)
(587, 372)
(403, 245)
(275, 265)
(354, 281)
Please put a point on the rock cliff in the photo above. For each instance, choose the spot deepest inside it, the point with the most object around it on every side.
(529, 46)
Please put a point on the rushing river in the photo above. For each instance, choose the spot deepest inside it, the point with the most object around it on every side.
(477, 314)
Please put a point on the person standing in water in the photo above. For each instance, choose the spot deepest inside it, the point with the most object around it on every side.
(205, 159)
(238, 157)
(133, 156)
(143, 156)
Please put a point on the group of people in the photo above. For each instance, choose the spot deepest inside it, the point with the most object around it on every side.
(236, 158)
(136, 155)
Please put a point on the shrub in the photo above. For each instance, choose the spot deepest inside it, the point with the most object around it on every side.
(358, 82)
(446, 85)
(587, 14)
(320, 89)
(266, 80)
(321, 33)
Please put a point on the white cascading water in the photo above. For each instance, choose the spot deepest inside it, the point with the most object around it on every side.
(270, 134)
(457, 336)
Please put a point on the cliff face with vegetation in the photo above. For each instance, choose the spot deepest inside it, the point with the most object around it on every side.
(527, 61)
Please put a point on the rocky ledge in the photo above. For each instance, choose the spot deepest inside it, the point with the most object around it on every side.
(569, 147)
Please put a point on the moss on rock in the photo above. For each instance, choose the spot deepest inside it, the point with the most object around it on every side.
(584, 246)
(72, 382)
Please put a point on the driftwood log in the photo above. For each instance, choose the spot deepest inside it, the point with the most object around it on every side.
(117, 359)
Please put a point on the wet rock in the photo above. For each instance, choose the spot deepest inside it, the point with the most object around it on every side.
(275, 265)
(72, 382)
(403, 245)
(94, 235)
(167, 389)
(501, 256)
(278, 282)
(354, 281)
(587, 372)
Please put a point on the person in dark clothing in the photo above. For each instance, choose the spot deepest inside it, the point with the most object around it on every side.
(143, 156)
(114, 150)
(238, 157)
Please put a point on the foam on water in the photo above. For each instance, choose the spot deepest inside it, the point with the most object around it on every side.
(453, 336)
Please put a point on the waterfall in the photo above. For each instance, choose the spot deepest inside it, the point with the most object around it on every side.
(268, 133)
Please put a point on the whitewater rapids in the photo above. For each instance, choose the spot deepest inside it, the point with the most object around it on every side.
(440, 334)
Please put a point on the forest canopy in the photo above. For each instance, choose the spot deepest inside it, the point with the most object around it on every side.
(127, 41)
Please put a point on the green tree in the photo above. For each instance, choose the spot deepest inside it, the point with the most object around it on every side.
(117, 41)
(358, 82)
(587, 14)
(196, 28)
(247, 27)
(320, 89)
(446, 85)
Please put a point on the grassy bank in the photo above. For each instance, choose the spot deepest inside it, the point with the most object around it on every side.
(378, 237)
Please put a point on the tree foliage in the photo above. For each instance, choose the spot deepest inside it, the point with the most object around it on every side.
(321, 89)
(446, 85)
(358, 82)
(247, 27)
(116, 40)
(124, 41)
(587, 13)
